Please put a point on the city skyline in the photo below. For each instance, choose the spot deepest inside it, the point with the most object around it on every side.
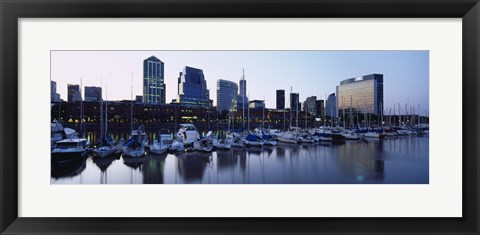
(406, 72)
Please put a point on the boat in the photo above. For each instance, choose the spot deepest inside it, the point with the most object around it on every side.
(268, 140)
(372, 134)
(288, 137)
(236, 140)
(135, 146)
(222, 144)
(305, 138)
(253, 140)
(275, 133)
(188, 134)
(350, 135)
(104, 151)
(205, 144)
(158, 147)
(58, 132)
(69, 150)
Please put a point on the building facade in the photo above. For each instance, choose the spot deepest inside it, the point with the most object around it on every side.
(54, 96)
(319, 108)
(256, 104)
(294, 102)
(192, 88)
(226, 93)
(93, 93)
(280, 99)
(361, 94)
(154, 89)
(242, 99)
(73, 93)
(310, 104)
(331, 106)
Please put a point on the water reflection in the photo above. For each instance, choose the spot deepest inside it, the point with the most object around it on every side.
(393, 161)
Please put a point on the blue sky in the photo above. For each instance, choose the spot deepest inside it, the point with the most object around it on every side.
(406, 73)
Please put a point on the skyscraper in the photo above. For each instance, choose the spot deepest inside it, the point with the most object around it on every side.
(310, 104)
(73, 93)
(54, 96)
(280, 99)
(242, 99)
(192, 88)
(294, 102)
(93, 93)
(364, 94)
(226, 92)
(319, 108)
(331, 106)
(154, 88)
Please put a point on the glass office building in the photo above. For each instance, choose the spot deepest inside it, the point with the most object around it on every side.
(280, 99)
(331, 106)
(310, 104)
(192, 88)
(153, 81)
(295, 102)
(363, 94)
(73, 93)
(93, 93)
(226, 92)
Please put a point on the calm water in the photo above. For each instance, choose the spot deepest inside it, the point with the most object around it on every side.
(401, 160)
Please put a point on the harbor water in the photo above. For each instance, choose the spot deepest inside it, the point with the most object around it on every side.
(397, 160)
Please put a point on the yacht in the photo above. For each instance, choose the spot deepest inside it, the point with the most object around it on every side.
(188, 134)
(69, 150)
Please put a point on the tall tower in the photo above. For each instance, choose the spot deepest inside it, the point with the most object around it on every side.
(153, 81)
(243, 85)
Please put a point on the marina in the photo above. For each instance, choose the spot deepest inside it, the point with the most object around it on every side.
(391, 160)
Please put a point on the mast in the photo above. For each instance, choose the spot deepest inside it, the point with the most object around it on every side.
(263, 113)
(343, 109)
(296, 109)
(101, 110)
(131, 104)
(305, 118)
(81, 108)
(324, 110)
(291, 108)
(284, 122)
(248, 120)
(243, 102)
(106, 110)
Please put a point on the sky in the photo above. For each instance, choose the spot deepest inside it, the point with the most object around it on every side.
(310, 73)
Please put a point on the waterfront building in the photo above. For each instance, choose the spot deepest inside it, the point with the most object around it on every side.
(93, 93)
(363, 94)
(319, 108)
(280, 99)
(226, 92)
(295, 102)
(331, 106)
(310, 104)
(73, 93)
(154, 88)
(256, 104)
(192, 88)
(54, 96)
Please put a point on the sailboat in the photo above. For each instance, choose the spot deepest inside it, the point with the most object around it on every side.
(158, 147)
(135, 146)
(109, 148)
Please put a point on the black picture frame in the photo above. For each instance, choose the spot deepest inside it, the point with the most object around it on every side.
(12, 10)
